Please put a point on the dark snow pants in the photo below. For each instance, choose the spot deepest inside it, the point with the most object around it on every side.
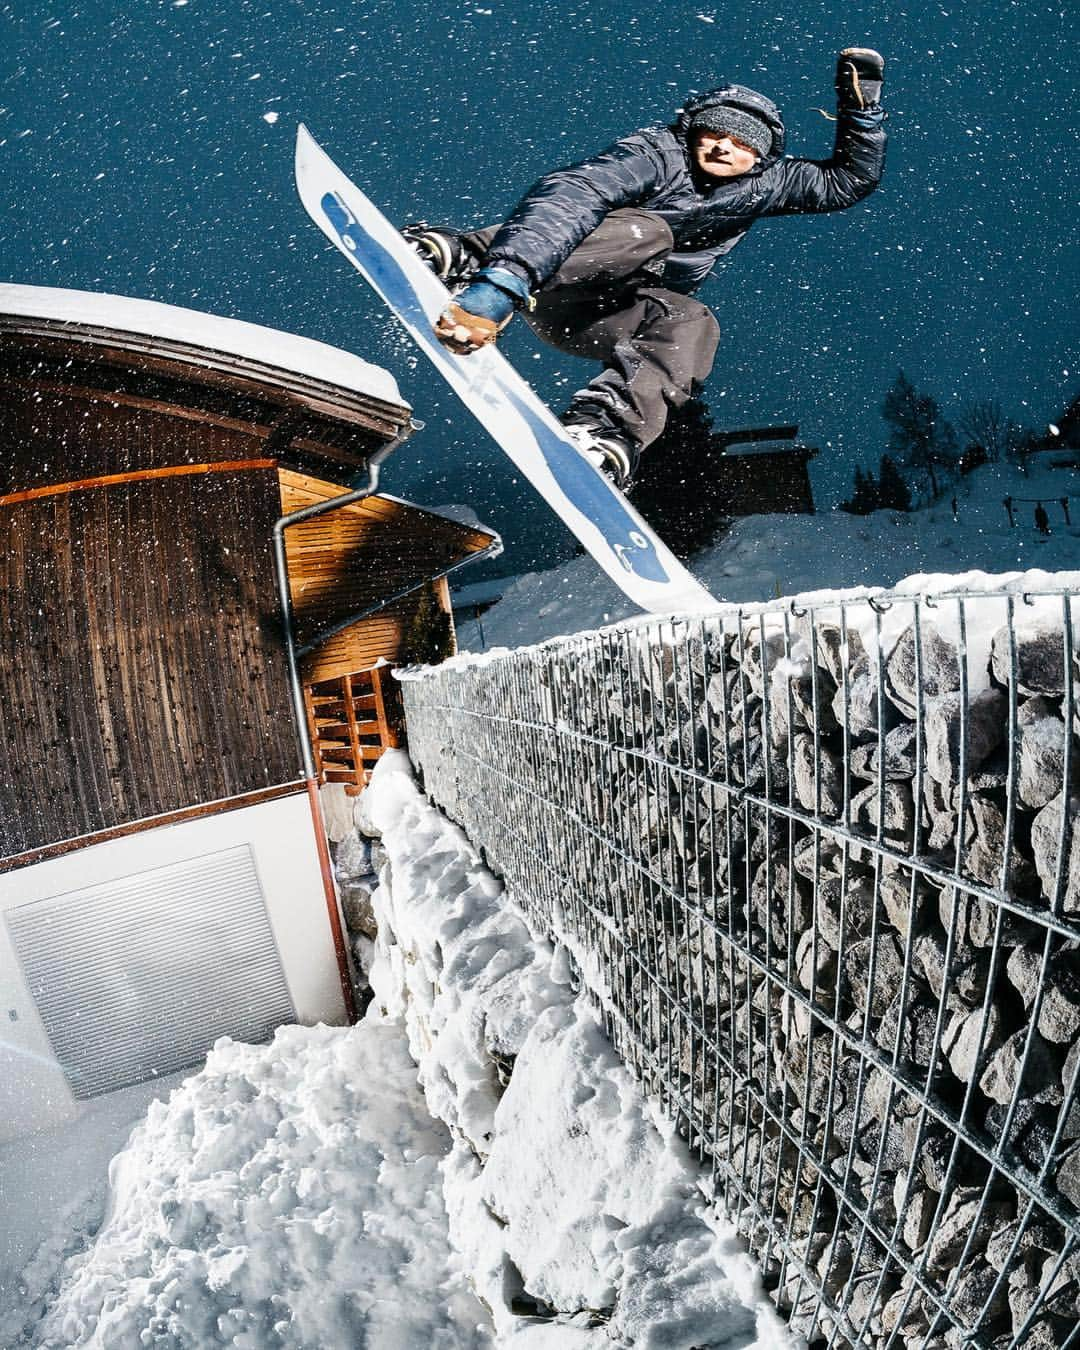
(606, 303)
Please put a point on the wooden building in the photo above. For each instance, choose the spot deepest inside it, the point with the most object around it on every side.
(164, 876)
(763, 471)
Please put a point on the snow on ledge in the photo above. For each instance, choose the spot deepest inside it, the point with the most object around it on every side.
(234, 337)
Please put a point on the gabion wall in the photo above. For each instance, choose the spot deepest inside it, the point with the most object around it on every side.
(820, 868)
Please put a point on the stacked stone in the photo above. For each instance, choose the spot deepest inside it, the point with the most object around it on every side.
(832, 909)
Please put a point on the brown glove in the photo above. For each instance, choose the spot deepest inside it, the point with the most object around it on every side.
(463, 332)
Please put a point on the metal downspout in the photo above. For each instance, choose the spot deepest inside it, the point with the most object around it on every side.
(345, 971)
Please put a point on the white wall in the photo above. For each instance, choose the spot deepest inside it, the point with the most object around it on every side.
(280, 834)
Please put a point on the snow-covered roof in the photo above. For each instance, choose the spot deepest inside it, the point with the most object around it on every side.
(89, 314)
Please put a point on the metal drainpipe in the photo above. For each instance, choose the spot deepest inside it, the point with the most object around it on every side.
(307, 754)
(285, 595)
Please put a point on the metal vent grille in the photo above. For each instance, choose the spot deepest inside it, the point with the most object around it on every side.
(137, 977)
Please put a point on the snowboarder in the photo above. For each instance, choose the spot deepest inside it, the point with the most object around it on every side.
(602, 257)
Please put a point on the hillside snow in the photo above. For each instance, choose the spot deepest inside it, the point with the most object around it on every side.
(783, 555)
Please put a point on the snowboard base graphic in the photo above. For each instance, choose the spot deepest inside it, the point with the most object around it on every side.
(497, 396)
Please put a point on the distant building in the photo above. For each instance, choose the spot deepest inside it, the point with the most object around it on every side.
(164, 873)
(763, 472)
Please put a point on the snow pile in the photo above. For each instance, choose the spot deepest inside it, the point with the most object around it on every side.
(287, 1195)
(764, 557)
(578, 1212)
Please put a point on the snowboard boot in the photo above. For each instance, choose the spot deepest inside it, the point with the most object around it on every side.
(441, 249)
(603, 447)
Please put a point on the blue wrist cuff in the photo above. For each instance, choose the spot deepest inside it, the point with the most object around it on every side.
(486, 301)
(506, 281)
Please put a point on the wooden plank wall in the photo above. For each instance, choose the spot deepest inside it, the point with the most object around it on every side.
(62, 438)
(141, 667)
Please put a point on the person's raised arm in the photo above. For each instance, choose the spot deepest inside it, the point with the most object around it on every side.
(858, 157)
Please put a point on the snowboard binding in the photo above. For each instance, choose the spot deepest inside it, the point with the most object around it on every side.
(442, 250)
(608, 452)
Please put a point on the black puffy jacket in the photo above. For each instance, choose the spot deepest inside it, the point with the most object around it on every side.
(652, 169)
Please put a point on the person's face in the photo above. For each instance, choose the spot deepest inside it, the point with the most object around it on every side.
(722, 156)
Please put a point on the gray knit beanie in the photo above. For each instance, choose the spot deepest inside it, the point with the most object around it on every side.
(721, 118)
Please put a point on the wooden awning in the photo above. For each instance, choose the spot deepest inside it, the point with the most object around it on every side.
(352, 559)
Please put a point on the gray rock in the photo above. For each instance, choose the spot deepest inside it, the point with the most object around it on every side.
(904, 1315)
(1059, 1016)
(1000, 1079)
(984, 836)
(859, 704)
(803, 695)
(818, 854)
(888, 960)
(941, 814)
(817, 771)
(854, 906)
(940, 670)
(966, 1046)
(899, 755)
(899, 811)
(1023, 1288)
(1040, 650)
(978, 1287)
(977, 921)
(918, 1216)
(965, 1217)
(1024, 969)
(916, 1029)
(896, 897)
(760, 654)
(1031, 1129)
(964, 985)
(838, 655)
(1039, 1235)
(987, 721)
(814, 969)
(1070, 1082)
(1045, 835)
(1046, 1333)
(1042, 746)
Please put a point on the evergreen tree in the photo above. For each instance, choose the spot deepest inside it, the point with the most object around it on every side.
(919, 438)
(679, 491)
(864, 496)
(429, 637)
(893, 493)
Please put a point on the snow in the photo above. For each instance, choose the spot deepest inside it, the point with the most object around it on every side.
(287, 1195)
(304, 1193)
(567, 1184)
(149, 318)
(765, 557)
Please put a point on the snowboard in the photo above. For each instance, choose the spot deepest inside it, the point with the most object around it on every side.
(525, 429)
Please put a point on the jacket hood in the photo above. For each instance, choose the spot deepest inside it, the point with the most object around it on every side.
(746, 100)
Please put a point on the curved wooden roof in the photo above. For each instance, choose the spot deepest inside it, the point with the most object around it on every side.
(203, 340)
(113, 382)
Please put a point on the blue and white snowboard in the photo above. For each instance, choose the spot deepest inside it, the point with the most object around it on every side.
(597, 513)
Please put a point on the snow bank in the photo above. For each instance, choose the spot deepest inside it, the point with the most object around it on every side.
(763, 557)
(578, 1212)
(287, 1195)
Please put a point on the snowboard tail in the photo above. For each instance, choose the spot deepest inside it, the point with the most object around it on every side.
(521, 424)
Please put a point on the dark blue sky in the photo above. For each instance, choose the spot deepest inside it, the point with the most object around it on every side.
(136, 158)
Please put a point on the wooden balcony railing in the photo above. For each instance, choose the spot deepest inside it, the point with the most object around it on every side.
(353, 719)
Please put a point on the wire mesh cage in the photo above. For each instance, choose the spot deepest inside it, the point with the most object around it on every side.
(819, 867)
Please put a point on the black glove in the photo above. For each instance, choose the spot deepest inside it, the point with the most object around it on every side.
(859, 75)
